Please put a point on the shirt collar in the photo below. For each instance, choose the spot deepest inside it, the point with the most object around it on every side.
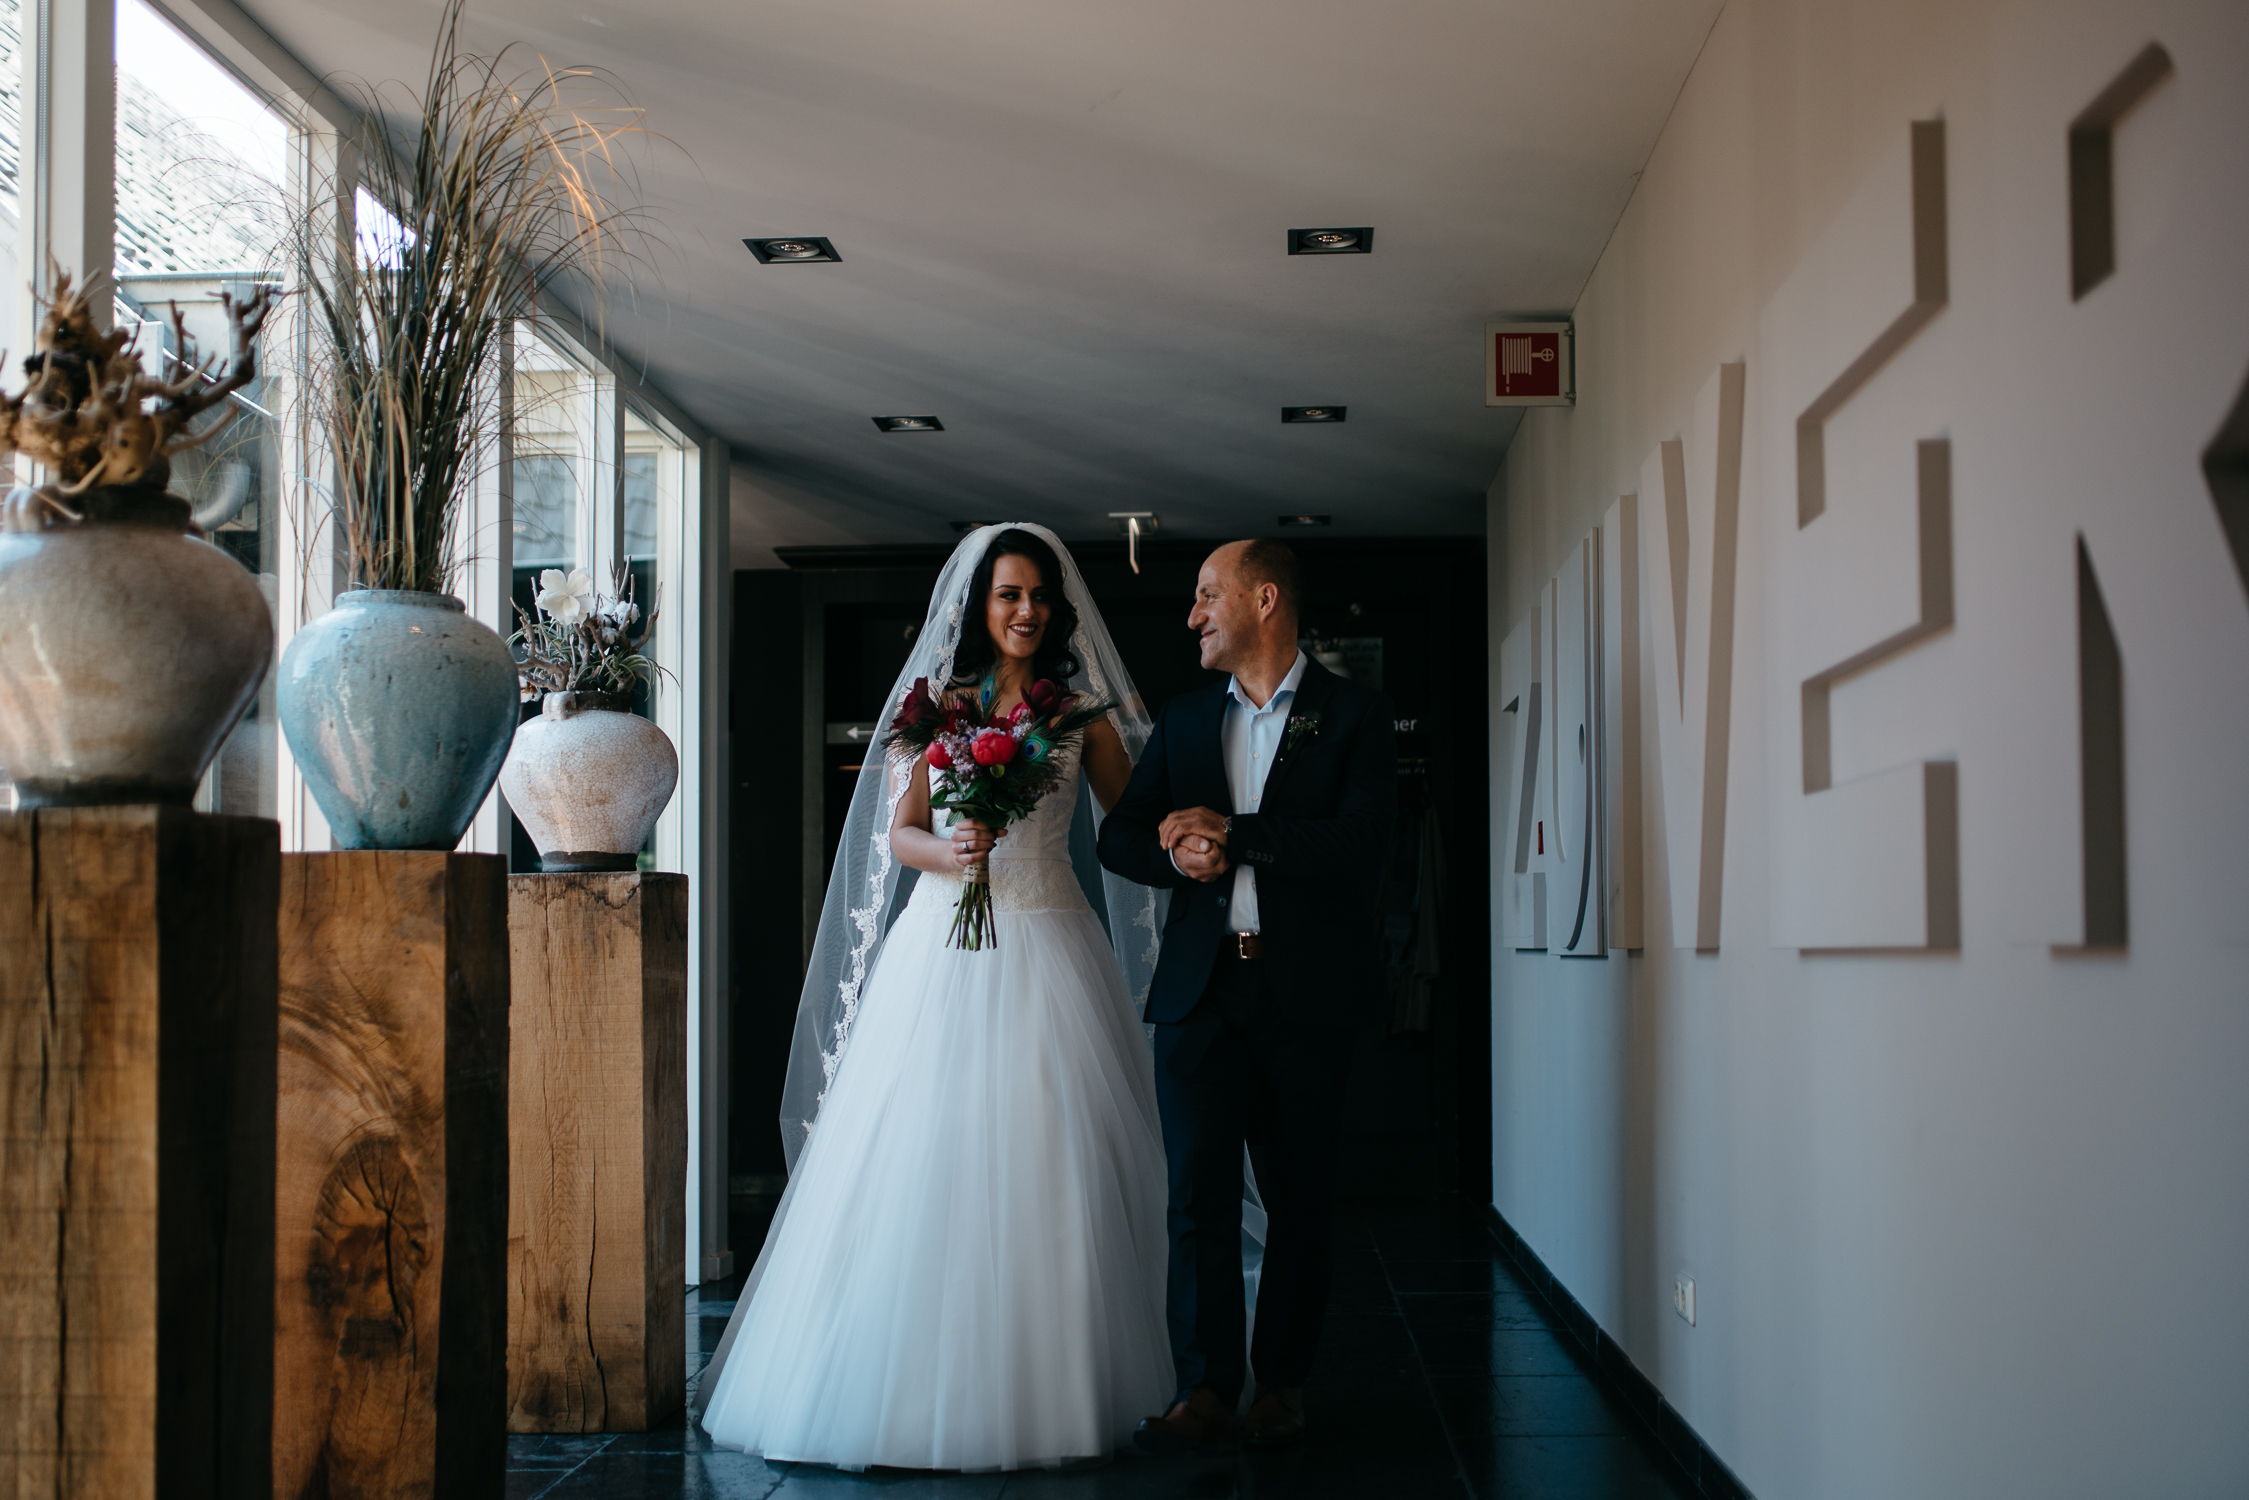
(1287, 689)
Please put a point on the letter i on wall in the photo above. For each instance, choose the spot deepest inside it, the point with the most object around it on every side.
(1523, 842)
(1577, 888)
(1589, 794)
(1620, 810)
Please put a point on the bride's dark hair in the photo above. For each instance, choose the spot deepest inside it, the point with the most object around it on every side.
(1054, 660)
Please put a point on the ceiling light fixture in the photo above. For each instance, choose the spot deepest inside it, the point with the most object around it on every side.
(1306, 520)
(909, 424)
(792, 247)
(1135, 524)
(1312, 413)
(1331, 241)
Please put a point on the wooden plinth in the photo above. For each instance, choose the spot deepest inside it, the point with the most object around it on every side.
(136, 1156)
(390, 1265)
(597, 1142)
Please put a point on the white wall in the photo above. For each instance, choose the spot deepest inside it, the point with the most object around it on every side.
(1965, 1218)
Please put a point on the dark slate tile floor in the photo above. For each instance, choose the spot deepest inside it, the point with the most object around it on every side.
(1442, 1374)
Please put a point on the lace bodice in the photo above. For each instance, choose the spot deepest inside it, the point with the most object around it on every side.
(1031, 868)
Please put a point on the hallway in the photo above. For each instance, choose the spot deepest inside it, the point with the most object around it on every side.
(1723, 526)
(1442, 1374)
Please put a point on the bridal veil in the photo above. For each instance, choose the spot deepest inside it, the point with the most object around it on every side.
(868, 888)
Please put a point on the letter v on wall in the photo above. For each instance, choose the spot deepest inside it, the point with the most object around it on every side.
(1690, 522)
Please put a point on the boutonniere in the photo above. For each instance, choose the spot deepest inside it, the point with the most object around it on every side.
(1299, 726)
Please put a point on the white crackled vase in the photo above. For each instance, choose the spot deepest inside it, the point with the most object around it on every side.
(129, 647)
(589, 779)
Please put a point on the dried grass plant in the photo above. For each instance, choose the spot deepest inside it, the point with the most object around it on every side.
(504, 185)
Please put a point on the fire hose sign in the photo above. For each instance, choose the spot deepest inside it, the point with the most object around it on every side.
(1529, 364)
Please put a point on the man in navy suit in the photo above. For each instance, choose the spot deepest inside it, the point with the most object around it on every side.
(1264, 803)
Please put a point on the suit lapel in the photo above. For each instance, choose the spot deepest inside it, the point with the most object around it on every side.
(1209, 732)
(1313, 690)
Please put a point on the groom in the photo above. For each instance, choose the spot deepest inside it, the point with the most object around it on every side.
(1263, 802)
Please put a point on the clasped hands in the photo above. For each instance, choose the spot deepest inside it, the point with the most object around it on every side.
(1195, 838)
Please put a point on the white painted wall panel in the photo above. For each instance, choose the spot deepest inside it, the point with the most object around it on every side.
(1963, 1222)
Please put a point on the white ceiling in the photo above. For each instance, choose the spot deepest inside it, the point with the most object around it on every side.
(1063, 229)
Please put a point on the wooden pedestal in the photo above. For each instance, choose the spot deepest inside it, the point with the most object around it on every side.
(390, 1276)
(597, 1143)
(136, 1157)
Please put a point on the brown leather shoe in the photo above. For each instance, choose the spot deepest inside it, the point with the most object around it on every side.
(1276, 1417)
(1203, 1421)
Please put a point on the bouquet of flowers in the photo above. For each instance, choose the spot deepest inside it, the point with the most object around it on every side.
(991, 767)
(581, 641)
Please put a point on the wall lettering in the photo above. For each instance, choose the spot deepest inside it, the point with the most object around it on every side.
(2092, 173)
(1619, 542)
(1522, 905)
(1874, 862)
(1691, 557)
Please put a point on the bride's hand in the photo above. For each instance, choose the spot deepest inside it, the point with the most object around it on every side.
(972, 842)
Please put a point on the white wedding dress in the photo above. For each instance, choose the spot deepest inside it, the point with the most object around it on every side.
(967, 1269)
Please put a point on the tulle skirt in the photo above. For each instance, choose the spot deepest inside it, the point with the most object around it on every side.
(967, 1269)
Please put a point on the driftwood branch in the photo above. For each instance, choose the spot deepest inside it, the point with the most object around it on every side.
(93, 415)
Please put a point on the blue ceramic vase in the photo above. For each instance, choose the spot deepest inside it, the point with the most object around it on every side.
(399, 709)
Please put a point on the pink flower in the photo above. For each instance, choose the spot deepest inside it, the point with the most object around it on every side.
(993, 747)
(938, 756)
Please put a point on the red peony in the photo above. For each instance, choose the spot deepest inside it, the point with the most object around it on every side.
(993, 747)
(917, 706)
(938, 756)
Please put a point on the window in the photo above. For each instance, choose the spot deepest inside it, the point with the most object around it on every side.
(201, 211)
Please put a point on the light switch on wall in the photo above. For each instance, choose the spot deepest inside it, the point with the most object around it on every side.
(1683, 1297)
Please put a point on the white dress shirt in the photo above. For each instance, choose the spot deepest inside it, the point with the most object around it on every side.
(1249, 738)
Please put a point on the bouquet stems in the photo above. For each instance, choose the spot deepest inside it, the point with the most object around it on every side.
(973, 929)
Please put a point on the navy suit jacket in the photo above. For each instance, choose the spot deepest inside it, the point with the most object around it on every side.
(1316, 842)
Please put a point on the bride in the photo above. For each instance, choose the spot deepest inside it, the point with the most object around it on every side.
(967, 1268)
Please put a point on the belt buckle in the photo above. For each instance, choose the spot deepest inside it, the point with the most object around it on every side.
(1246, 945)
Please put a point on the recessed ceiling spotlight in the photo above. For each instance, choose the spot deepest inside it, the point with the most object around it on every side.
(793, 247)
(909, 424)
(1306, 520)
(1331, 241)
(1312, 413)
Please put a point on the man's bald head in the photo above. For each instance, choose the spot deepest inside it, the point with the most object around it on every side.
(1261, 560)
(1246, 606)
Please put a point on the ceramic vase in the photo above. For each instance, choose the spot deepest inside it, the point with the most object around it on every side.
(398, 708)
(588, 780)
(128, 647)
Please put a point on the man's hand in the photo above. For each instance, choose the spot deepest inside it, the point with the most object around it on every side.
(1191, 823)
(1200, 859)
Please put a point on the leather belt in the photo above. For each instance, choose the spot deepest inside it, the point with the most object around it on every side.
(1243, 945)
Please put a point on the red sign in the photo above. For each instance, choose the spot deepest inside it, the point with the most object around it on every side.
(1527, 364)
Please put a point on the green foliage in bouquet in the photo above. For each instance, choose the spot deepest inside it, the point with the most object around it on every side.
(995, 768)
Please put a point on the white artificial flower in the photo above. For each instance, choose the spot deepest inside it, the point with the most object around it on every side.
(625, 613)
(565, 599)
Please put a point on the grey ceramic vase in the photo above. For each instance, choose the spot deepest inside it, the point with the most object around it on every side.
(128, 647)
(399, 709)
(588, 780)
